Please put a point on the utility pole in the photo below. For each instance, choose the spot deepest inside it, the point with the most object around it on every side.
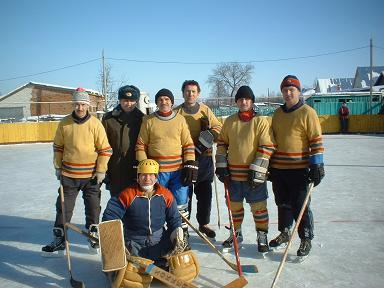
(371, 74)
(104, 92)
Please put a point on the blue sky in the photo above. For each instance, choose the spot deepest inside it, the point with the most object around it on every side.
(38, 36)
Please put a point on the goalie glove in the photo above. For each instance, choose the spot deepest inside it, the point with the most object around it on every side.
(184, 266)
(132, 276)
(257, 174)
(189, 173)
(205, 142)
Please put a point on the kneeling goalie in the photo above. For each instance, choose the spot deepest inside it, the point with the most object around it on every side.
(144, 209)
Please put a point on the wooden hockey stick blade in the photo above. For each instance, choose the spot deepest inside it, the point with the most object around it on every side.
(237, 283)
(158, 273)
(245, 268)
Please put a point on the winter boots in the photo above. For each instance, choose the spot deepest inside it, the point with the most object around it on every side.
(57, 246)
(228, 245)
(207, 231)
(262, 242)
(93, 245)
(282, 240)
(305, 247)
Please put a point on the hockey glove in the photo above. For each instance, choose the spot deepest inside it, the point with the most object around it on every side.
(184, 266)
(58, 173)
(205, 142)
(316, 173)
(189, 173)
(257, 174)
(222, 173)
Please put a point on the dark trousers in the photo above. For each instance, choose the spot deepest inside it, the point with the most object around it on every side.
(344, 125)
(91, 195)
(290, 187)
(203, 191)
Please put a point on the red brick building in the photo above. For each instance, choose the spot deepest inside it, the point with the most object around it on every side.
(38, 99)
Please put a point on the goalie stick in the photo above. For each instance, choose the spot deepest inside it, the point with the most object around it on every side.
(245, 268)
(158, 273)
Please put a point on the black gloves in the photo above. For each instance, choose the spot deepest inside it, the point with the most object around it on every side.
(222, 173)
(205, 142)
(316, 173)
(189, 173)
(257, 173)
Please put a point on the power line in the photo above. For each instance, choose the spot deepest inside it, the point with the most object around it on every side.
(378, 47)
(49, 71)
(192, 63)
(240, 62)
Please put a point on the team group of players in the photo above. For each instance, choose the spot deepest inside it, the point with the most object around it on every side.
(152, 165)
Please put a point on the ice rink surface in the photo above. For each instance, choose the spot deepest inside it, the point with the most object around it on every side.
(348, 248)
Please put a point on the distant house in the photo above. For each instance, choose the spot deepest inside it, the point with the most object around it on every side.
(363, 74)
(331, 85)
(38, 100)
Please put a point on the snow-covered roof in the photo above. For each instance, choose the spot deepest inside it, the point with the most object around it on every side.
(59, 87)
(333, 85)
(363, 74)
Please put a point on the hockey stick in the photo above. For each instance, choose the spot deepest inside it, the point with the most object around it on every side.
(158, 273)
(74, 283)
(282, 262)
(239, 270)
(237, 283)
(215, 183)
(245, 268)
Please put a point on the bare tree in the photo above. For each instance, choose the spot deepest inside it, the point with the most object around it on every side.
(111, 94)
(228, 77)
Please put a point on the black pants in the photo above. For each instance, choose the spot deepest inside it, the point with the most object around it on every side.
(290, 187)
(203, 191)
(344, 125)
(91, 195)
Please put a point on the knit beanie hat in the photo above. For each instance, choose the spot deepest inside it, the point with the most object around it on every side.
(80, 95)
(245, 92)
(165, 92)
(290, 80)
(129, 92)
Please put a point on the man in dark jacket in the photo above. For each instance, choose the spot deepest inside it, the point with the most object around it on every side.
(122, 126)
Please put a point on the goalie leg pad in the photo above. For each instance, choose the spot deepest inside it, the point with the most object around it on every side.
(132, 276)
(184, 265)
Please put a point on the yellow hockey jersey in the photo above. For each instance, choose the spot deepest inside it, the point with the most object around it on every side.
(81, 149)
(241, 142)
(298, 137)
(166, 140)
